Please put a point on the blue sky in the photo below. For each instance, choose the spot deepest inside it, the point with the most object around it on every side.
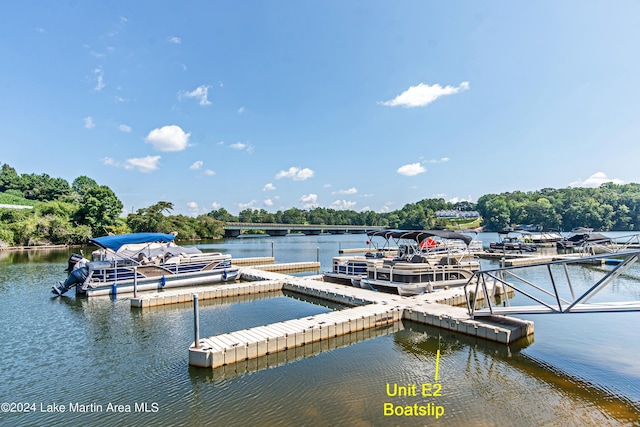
(345, 105)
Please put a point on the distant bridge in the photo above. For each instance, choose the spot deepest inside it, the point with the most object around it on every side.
(234, 229)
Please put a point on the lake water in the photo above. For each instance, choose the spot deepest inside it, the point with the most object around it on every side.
(67, 361)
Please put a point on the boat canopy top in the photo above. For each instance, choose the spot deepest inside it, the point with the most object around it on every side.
(419, 235)
(116, 242)
(589, 237)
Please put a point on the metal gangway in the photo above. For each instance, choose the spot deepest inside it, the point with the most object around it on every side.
(551, 287)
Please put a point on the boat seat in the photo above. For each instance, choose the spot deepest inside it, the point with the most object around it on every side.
(417, 259)
(448, 261)
(144, 260)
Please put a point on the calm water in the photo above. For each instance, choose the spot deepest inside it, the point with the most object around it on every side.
(106, 358)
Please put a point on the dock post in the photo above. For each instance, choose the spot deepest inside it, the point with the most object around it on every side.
(318, 254)
(196, 321)
(272, 250)
(135, 282)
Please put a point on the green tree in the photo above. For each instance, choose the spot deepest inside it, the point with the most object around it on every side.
(495, 213)
(43, 187)
(209, 228)
(222, 215)
(9, 179)
(82, 184)
(99, 209)
(293, 216)
(151, 219)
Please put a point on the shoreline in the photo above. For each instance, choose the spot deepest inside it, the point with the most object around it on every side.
(34, 247)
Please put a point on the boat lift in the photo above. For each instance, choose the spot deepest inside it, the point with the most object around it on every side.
(558, 295)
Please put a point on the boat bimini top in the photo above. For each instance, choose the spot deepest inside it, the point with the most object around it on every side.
(116, 242)
(420, 235)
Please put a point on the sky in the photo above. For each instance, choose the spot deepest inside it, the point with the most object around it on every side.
(361, 105)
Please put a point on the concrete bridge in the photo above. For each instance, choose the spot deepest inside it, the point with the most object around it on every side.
(234, 229)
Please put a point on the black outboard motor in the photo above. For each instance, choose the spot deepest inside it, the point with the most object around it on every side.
(77, 275)
(73, 260)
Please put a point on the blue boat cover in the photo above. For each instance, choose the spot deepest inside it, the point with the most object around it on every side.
(116, 242)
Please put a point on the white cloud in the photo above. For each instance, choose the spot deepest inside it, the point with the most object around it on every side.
(268, 202)
(124, 128)
(411, 169)
(168, 138)
(249, 205)
(351, 190)
(40, 30)
(242, 146)
(455, 200)
(201, 93)
(209, 172)
(441, 160)
(110, 162)
(174, 40)
(88, 122)
(295, 173)
(240, 110)
(193, 207)
(387, 207)
(595, 180)
(423, 94)
(196, 165)
(268, 187)
(309, 201)
(342, 205)
(142, 164)
(216, 205)
(99, 79)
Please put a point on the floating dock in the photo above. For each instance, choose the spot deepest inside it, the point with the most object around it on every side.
(522, 259)
(366, 310)
(369, 310)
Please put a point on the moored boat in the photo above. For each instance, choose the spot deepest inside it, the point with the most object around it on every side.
(513, 241)
(144, 261)
(582, 236)
(347, 270)
(422, 264)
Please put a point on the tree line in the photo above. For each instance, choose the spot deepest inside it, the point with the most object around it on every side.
(71, 213)
(608, 207)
